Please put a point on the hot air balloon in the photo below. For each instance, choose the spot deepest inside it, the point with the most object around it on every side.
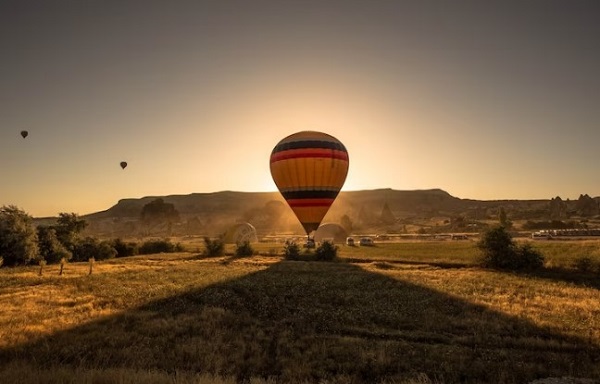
(309, 169)
(24, 134)
(123, 164)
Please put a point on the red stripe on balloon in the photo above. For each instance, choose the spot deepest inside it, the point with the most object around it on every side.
(296, 203)
(304, 153)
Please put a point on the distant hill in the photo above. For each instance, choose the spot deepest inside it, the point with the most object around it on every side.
(381, 210)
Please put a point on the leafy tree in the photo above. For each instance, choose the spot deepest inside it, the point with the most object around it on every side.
(68, 228)
(18, 239)
(500, 251)
(93, 248)
(50, 248)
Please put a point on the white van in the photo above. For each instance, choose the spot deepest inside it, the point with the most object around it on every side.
(366, 241)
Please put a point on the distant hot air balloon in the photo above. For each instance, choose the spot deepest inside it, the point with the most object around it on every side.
(24, 134)
(123, 164)
(309, 169)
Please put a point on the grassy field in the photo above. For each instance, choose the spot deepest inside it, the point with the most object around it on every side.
(419, 312)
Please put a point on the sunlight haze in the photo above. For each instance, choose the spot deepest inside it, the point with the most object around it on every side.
(494, 101)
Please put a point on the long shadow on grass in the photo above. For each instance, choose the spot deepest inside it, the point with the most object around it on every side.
(310, 321)
(437, 264)
(583, 279)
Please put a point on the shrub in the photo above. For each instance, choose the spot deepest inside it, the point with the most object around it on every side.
(158, 246)
(583, 264)
(501, 252)
(327, 251)
(291, 250)
(529, 258)
(125, 249)
(214, 247)
(92, 248)
(244, 249)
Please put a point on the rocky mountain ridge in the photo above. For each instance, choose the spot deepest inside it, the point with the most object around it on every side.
(381, 210)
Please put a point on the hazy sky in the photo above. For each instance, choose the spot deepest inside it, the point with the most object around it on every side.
(484, 99)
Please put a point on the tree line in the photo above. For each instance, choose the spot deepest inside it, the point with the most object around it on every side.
(21, 243)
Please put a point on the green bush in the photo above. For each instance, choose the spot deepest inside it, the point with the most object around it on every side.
(125, 249)
(244, 249)
(291, 250)
(326, 251)
(159, 246)
(529, 258)
(18, 238)
(499, 251)
(214, 247)
(583, 264)
(93, 248)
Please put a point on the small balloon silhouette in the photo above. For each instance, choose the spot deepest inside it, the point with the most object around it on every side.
(123, 164)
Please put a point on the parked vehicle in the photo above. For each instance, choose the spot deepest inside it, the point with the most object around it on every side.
(366, 241)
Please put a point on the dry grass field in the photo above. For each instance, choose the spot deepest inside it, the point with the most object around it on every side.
(393, 313)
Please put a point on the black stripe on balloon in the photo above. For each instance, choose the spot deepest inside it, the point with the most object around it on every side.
(309, 144)
(288, 195)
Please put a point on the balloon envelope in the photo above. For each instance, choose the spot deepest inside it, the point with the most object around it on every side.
(309, 169)
(331, 231)
(240, 233)
(24, 134)
(123, 164)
